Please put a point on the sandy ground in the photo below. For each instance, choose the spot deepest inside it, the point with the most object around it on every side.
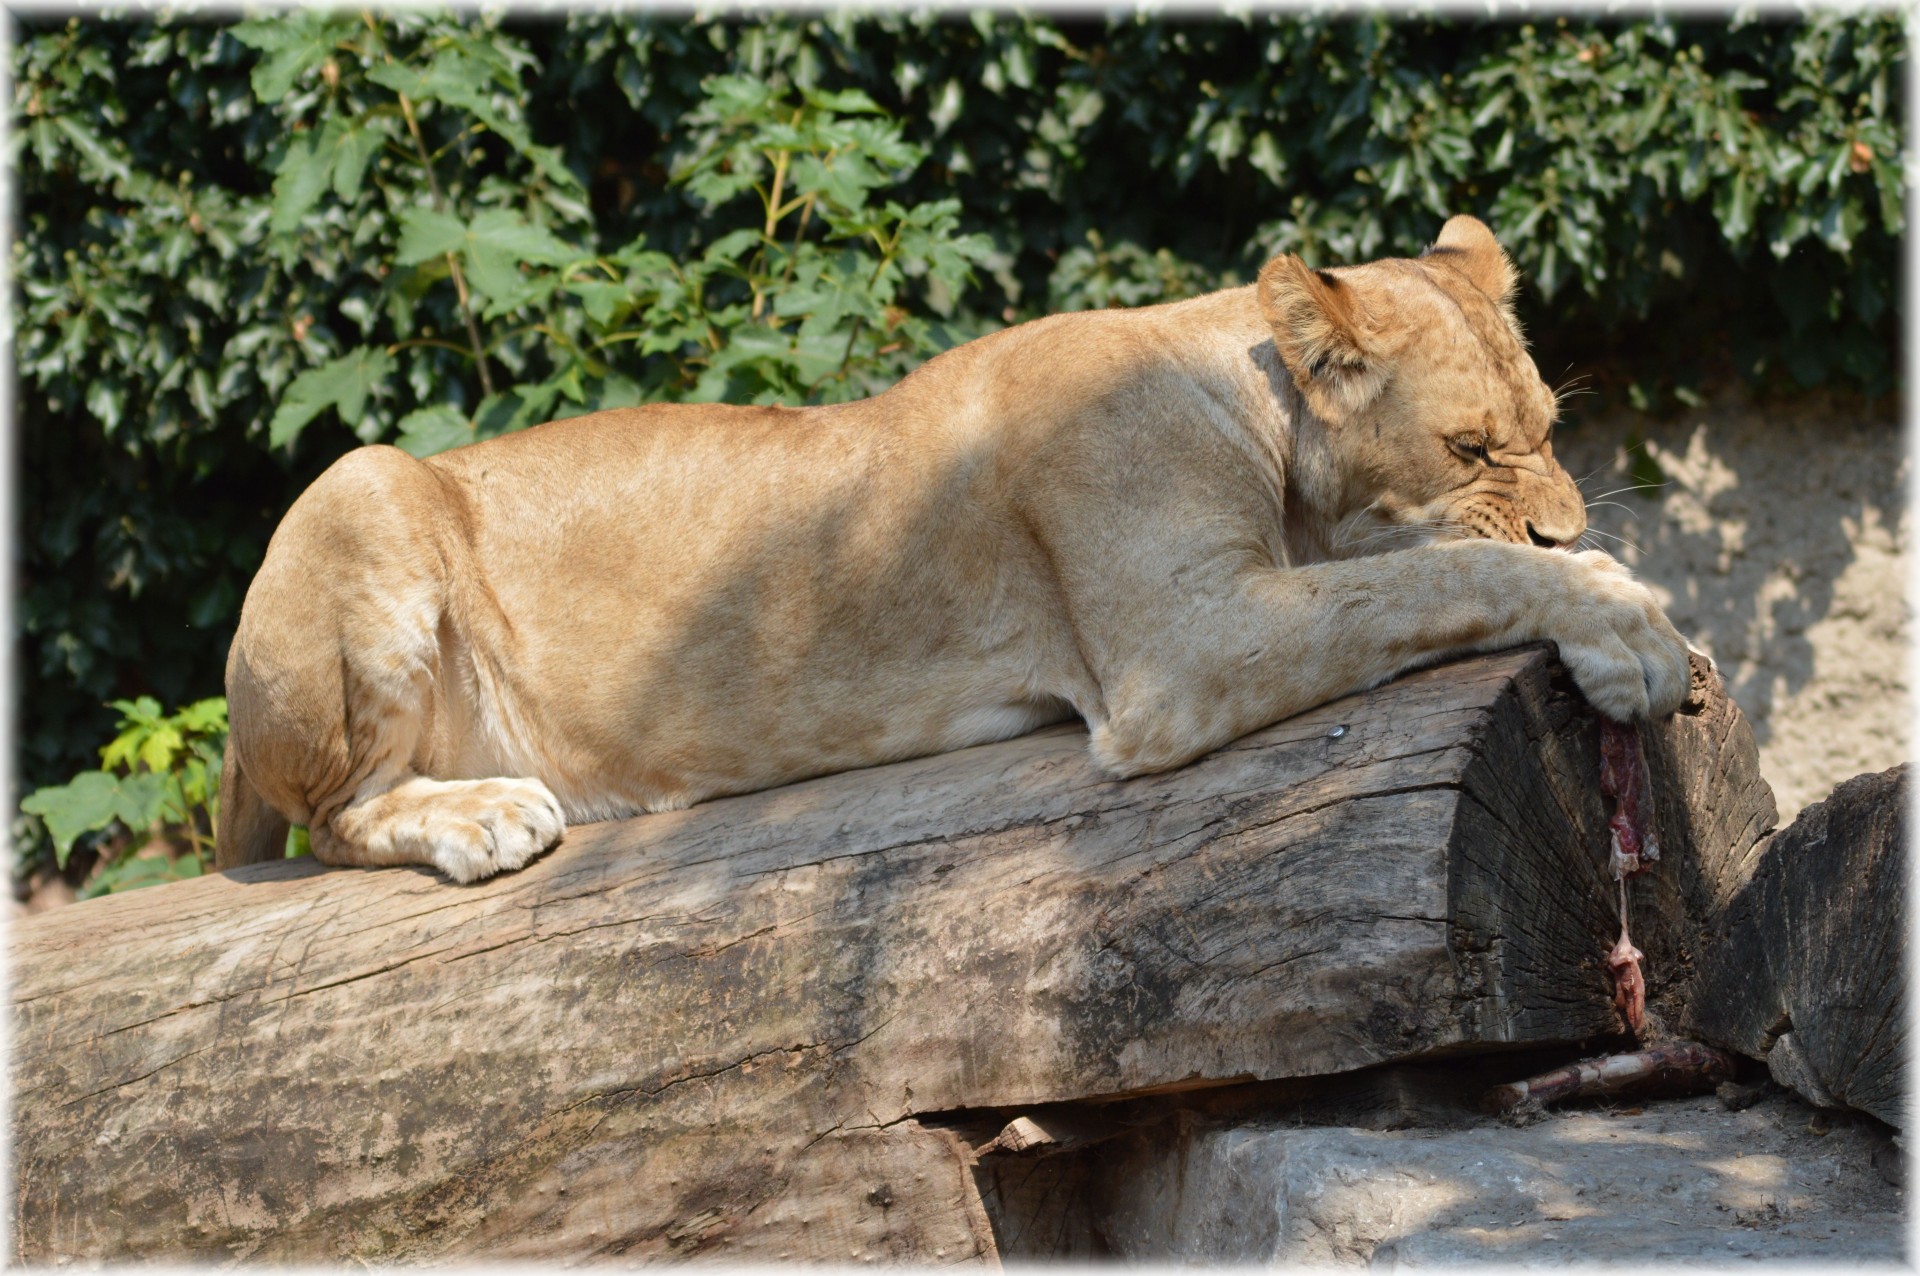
(1779, 547)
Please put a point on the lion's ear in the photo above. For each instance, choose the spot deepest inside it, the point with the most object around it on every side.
(1468, 246)
(1321, 329)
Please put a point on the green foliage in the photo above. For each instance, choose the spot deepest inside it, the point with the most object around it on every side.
(1094, 275)
(244, 247)
(160, 777)
(810, 285)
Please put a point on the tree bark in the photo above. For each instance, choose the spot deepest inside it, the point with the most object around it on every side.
(733, 1031)
(1807, 967)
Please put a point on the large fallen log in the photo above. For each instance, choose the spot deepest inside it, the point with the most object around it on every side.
(725, 1031)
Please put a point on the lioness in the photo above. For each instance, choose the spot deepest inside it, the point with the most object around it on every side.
(1179, 523)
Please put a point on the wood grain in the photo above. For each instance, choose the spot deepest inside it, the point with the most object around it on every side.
(719, 1032)
(1808, 967)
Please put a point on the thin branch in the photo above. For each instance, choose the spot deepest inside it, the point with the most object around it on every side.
(1682, 1064)
(457, 348)
(453, 263)
(773, 221)
(793, 253)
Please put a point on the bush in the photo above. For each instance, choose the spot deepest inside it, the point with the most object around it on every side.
(244, 247)
(160, 780)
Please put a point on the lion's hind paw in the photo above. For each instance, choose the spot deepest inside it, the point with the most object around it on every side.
(468, 829)
(493, 826)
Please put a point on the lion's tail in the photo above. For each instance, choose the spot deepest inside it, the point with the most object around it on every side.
(250, 831)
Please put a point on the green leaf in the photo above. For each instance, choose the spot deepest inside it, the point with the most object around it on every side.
(1224, 140)
(342, 383)
(1733, 205)
(204, 717)
(494, 246)
(158, 749)
(1887, 179)
(849, 101)
(144, 711)
(136, 871)
(294, 44)
(92, 801)
(735, 95)
(425, 233)
(499, 242)
(435, 429)
(143, 799)
(92, 149)
(602, 300)
(302, 177)
(461, 79)
(107, 400)
(122, 750)
(1264, 154)
(732, 246)
(353, 148)
(87, 803)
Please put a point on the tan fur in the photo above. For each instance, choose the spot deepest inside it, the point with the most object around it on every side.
(1179, 523)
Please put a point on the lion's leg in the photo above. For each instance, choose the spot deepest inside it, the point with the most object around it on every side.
(1279, 641)
(468, 829)
(339, 672)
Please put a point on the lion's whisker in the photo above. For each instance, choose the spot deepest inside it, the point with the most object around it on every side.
(1569, 389)
(1636, 487)
(1590, 473)
(1398, 529)
(1348, 543)
(1594, 531)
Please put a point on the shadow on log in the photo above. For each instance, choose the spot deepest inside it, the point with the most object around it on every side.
(739, 1031)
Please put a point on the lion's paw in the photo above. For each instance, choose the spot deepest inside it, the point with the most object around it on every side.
(1622, 650)
(494, 825)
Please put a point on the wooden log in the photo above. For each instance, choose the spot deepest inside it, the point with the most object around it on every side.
(1807, 967)
(725, 1031)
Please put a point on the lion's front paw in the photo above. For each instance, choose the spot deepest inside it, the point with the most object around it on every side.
(494, 825)
(1623, 652)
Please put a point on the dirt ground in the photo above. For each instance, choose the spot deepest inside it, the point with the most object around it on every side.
(1779, 545)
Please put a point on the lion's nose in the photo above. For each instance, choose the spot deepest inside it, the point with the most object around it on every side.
(1544, 540)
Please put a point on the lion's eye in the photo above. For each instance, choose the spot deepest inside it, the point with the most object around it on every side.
(1473, 447)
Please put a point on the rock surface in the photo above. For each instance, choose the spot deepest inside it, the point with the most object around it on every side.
(1675, 1181)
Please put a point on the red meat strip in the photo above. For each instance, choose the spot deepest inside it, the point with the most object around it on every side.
(1629, 985)
(1624, 779)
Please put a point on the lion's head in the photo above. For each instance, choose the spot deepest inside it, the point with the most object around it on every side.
(1430, 419)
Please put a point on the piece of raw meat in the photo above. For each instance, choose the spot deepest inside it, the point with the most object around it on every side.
(1624, 779)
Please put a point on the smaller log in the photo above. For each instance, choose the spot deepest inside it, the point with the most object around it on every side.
(1808, 969)
(1680, 1064)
